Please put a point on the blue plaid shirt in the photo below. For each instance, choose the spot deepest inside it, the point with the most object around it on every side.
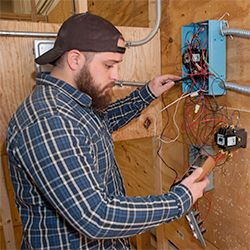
(68, 187)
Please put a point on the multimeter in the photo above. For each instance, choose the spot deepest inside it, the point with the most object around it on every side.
(204, 161)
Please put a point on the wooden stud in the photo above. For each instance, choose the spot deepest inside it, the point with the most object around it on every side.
(143, 241)
(33, 10)
(19, 17)
(151, 13)
(6, 212)
(162, 242)
(81, 6)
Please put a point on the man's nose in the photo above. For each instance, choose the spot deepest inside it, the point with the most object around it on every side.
(115, 76)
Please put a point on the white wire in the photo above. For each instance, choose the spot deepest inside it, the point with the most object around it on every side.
(175, 126)
(178, 101)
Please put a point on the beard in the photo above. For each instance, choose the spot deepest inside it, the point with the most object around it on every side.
(86, 84)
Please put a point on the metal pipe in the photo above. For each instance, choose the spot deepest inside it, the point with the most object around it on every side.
(154, 31)
(24, 33)
(73, 7)
(121, 83)
(233, 31)
(234, 86)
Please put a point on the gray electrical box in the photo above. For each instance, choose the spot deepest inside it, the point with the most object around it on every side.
(40, 47)
(194, 150)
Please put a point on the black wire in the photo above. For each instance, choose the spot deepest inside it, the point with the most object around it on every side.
(176, 174)
(238, 117)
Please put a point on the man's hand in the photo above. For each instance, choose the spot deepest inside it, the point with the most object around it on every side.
(161, 84)
(196, 188)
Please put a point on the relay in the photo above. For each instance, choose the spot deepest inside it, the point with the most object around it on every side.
(231, 138)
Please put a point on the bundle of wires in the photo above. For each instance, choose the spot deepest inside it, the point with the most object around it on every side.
(201, 113)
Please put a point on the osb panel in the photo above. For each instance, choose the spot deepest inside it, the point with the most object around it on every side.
(18, 78)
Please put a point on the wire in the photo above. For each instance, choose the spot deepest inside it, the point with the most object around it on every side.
(210, 205)
(176, 174)
(177, 100)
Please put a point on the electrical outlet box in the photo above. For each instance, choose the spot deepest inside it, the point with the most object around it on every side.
(203, 47)
(40, 47)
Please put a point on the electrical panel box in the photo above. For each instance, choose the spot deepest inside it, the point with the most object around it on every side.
(40, 47)
(204, 57)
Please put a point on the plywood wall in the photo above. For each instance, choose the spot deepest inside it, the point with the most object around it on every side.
(228, 222)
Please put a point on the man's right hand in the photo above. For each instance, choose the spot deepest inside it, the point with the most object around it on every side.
(196, 188)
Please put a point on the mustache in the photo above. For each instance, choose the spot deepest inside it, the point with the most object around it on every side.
(111, 84)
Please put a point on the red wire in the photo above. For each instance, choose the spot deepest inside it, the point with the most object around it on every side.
(210, 205)
(205, 132)
(218, 157)
(207, 120)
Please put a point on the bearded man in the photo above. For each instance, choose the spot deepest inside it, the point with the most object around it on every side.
(68, 187)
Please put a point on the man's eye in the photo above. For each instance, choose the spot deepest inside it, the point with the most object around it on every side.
(108, 66)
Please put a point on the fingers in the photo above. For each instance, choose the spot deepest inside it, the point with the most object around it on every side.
(167, 86)
(196, 174)
(161, 84)
(196, 188)
(164, 79)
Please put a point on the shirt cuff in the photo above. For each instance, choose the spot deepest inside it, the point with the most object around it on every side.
(146, 94)
(184, 200)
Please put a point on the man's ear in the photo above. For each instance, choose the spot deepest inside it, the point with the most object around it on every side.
(75, 59)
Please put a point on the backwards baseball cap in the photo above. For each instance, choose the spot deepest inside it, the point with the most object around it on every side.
(84, 32)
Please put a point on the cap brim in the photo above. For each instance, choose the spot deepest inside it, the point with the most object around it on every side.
(49, 57)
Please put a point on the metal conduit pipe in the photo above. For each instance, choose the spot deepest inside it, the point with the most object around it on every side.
(234, 86)
(154, 31)
(121, 83)
(25, 33)
(233, 31)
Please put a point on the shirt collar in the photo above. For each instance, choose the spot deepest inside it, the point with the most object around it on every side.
(43, 78)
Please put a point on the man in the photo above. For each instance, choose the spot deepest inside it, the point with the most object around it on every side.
(68, 187)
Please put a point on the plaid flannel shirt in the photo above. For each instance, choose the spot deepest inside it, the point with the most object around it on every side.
(68, 187)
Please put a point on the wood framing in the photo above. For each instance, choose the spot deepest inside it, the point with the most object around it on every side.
(81, 6)
(7, 220)
(20, 17)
